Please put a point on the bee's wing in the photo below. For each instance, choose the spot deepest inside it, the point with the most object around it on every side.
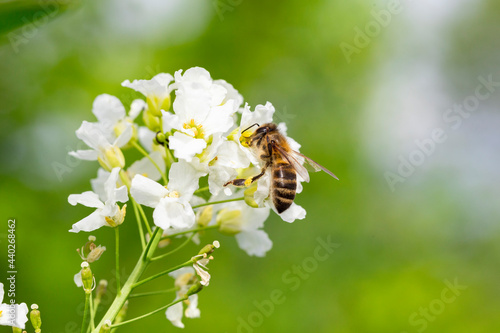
(289, 156)
(315, 166)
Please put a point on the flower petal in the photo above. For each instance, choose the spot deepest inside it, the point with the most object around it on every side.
(183, 178)
(146, 168)
(254, 242)
(173, 212)
(137, 106)
(90, 223)
(88, 198)
(20, 312)
(146, 191)
(108, 109)
(88, 155)
(174, 314)
(295, 212)
(186, 147)
(192, 310)
(78, 279)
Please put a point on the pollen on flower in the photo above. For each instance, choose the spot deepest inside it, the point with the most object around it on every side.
(197, 129)
(173, 194)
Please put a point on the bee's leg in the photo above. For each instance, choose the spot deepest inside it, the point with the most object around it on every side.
(241, 182)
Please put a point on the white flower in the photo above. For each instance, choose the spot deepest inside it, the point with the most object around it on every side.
(246, 224)
(111, 115)
(157, 91)
(201, 113)
(200, 266)
(15, 315)
(108, 154)
(184, 278)
(170, 203)
(107, 211)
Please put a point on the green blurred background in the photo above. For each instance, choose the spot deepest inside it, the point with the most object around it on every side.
(356, 116)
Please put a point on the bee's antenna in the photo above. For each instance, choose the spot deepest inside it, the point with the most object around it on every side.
(249, 127)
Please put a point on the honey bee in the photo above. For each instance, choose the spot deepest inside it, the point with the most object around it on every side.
(274, 151)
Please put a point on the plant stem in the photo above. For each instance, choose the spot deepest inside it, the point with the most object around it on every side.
(92, 313)
(218, 202)
(139, 268)
(139, 223)
(144, 218)
(145, 153)
(86, 311)
(187, 263)
(174, 250)
(189, 231)
(150, 313)
(117, 259)
(203, 189)
(159, 292)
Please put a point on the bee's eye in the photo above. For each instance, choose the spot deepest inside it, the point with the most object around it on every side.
(263, 129)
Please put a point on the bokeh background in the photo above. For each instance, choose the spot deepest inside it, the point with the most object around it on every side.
(359, 113)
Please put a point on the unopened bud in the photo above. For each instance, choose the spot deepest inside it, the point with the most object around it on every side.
(195, 288)
(100, 291)
(151, 121)
(205, 216)
(207, 249)
(156, 104)
(36, 320)
(113, 157)
(249, 195)
(229, 221)
(87, 277)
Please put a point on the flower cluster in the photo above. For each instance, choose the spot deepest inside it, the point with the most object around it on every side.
(194, 139)
(190, 130)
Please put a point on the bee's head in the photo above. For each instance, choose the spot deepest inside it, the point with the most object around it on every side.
(266, 128)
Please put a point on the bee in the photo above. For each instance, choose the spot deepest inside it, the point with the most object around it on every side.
(274, 151)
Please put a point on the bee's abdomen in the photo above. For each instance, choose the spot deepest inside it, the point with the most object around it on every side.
(284, 186)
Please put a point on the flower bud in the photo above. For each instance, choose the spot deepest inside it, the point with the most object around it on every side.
(249, 196)
(229, 221)
(36, 320)
(87, 277)
(106, 327)
(209, 249)
(152, 122)
(155, 104)
(195, 288)
(100, 291)
(205, 216)
(113, 157)
(16, 330)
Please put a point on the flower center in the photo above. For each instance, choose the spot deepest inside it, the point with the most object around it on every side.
(197, 130)
(1, 314)
(173, 194)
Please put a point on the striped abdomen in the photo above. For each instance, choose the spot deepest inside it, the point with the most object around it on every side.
(284, 185)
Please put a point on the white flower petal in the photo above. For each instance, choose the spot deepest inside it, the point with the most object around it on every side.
(92, 135)
(192, 310)
(174, 314)
(186, 147)
(183, 178)
(181, 271)
(146, 168)
(88, 155)
(173, 212)
(78, 279)
(254, 242)
(158, 85)
(146, 137)
(146, 191)
(90, 223)
(231, 93)
(88, 198)
(108, 109)
(137, 106)
(21, 315)
(125, 136)
(295, 212)
(98, 183)
(2, 292)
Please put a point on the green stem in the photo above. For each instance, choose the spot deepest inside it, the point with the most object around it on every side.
(174, 250)
(138, 270)
(86, 311)
(145, 153)
(92, 314)
(144, 218)
(189, 231)
(150, 313)
(203, 189)
(139, 223)
(117, 259)
(218, 202)
(137, 284)
(166, 291)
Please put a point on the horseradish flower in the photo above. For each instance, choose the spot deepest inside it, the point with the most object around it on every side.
(112, 117)
(184, 277)
(157, 92)
(109, 155)
(171, 203)
(245, 223)
(201, 112)
(15, 315)
(107, 212)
